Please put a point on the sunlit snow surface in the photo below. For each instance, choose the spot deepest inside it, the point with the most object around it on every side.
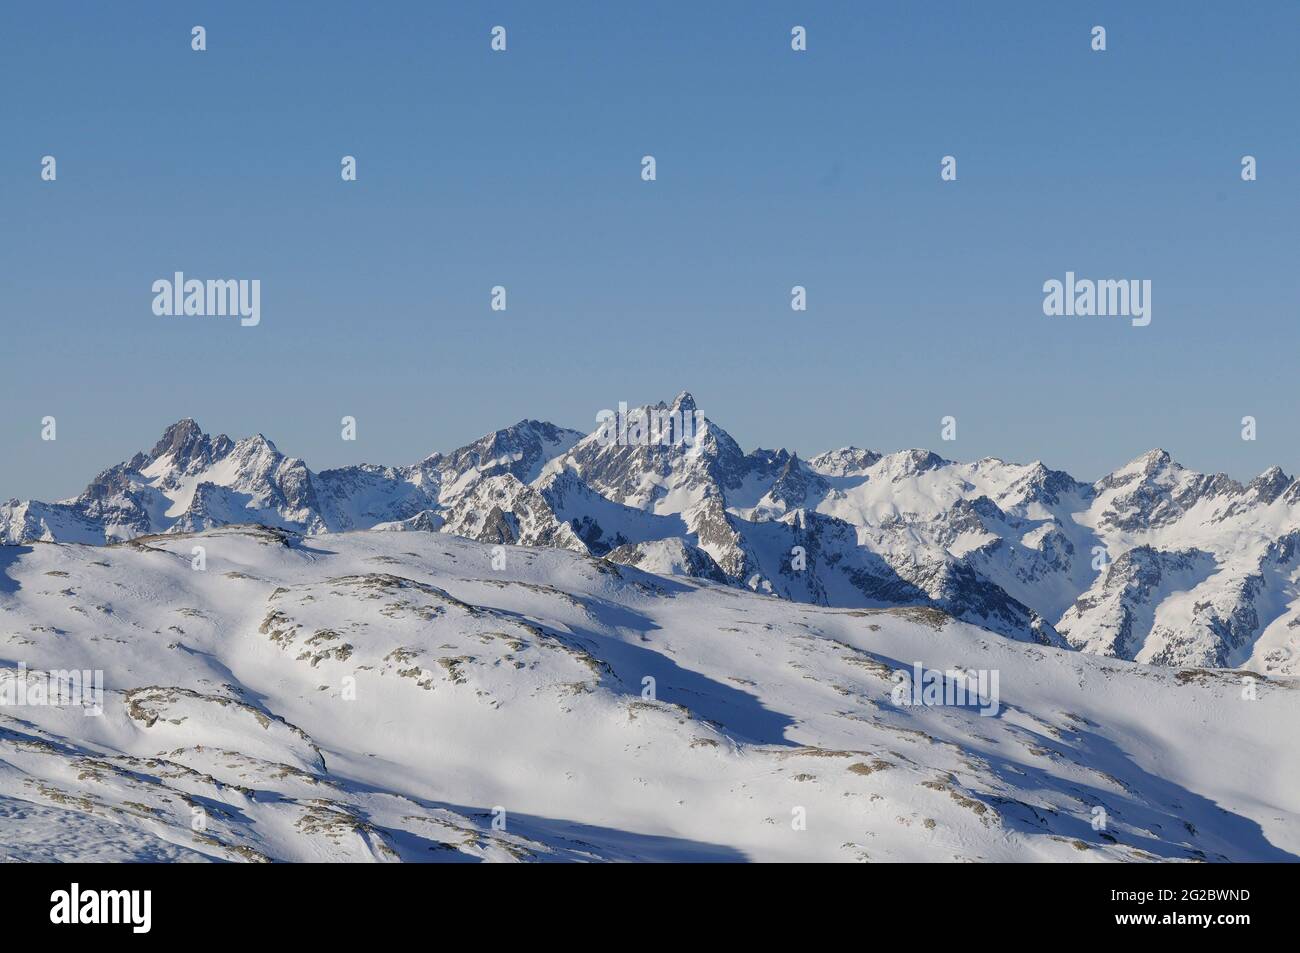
(501, 714)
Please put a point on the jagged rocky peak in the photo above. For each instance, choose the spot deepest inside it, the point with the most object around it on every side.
(845, 462)
(525, 432)
(662, 432)
(1155, 459)
(794, 483)
(186, 447)
(1155, 491)
(1041, 484)
(910, 463)
(1156, 472)
(257, 443)
(685, 407)
(920, 460)
(175, 439)
(1269, 485)
(1148, 466)
(256, 455)
(708, 437)
(520, 450)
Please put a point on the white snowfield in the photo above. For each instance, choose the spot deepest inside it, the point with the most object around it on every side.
(369, 696)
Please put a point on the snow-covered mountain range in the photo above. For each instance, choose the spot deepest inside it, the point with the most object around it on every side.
(1153, 562)
(371, 696)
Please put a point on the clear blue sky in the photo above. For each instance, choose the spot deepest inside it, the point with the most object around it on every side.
(775, 169)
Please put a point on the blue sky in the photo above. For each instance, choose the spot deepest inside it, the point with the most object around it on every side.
(774, 169)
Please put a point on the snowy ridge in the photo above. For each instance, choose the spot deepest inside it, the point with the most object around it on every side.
(1022, 550)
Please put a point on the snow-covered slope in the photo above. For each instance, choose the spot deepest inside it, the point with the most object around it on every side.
(1152, 562)
(415, 696)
